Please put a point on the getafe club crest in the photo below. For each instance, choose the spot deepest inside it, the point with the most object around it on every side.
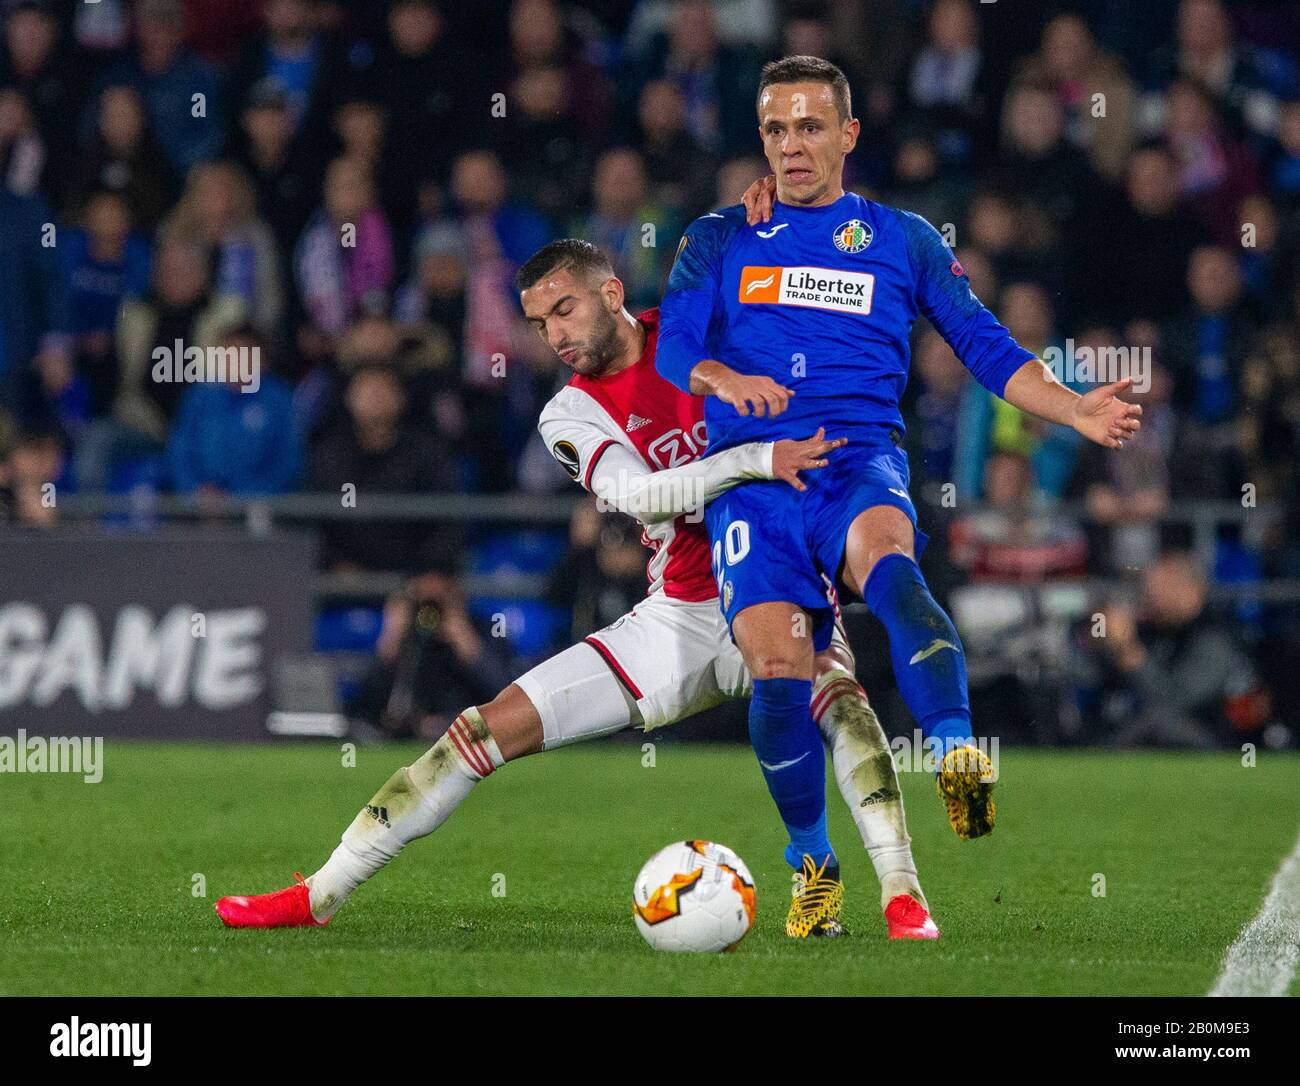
(852, 236)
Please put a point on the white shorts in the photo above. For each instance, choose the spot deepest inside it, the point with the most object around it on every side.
(668, 658)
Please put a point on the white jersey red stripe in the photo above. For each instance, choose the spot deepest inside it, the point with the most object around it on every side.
(594, 460)
(664, 428)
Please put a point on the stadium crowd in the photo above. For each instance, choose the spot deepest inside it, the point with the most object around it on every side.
(347, 189)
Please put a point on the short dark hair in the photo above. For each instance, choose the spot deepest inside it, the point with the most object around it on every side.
(803, 69)
(573, 253)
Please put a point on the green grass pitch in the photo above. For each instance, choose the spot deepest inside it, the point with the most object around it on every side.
(97, 882)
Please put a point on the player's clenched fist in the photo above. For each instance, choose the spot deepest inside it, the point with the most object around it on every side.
(790, 457)
(744, 392)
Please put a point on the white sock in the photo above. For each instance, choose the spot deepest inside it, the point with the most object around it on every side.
(864, 770)
(414, 802)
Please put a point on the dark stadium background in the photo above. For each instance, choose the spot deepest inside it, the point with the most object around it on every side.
(197, 160)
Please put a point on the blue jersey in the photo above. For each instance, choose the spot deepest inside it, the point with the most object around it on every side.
(822, 300)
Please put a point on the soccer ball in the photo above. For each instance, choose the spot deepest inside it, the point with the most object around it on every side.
(694, 895)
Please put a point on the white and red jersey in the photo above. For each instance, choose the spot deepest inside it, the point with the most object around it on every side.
(637, 411)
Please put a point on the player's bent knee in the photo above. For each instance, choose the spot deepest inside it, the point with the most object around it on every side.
(836, 658)
(514, 723)
(876, 533)
(778, 666)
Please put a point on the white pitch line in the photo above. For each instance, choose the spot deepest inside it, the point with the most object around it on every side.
(1262, 960)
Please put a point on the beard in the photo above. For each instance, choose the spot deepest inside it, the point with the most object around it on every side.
(594, 360)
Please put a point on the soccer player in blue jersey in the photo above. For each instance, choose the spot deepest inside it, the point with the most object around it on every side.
(803, 322)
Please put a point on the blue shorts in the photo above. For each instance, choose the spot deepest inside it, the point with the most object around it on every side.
(772, 543)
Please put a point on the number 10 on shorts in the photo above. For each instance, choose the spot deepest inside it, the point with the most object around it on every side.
(736, 540)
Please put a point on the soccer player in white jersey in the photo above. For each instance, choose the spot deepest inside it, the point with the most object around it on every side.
(631, 438)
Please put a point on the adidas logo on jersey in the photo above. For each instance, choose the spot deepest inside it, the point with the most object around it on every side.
(635, 422)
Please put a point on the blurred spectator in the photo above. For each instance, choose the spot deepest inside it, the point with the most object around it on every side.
(602, 575)
(432, 301)
(373, 449)
(217, 31)
(1137, 263)
(46, 82)
(304, 60)
(235, 437)
(946, 87)
(22, 148)
(1127, 495)
(431, 661)
(1242, 78)
(1204, 346)
(543, 147)
(219, 210)
(428, 373)
(180, 91)
(182, 309)
(539, 39)
(33, 304)
(919, 184)
(1097, 96)
(124, 157)
(1261, 258)
(1214, 171)
(500, 234)
(1039, 164)
(634, 232)
(430, 309)
(1269, 419)
(104, 28)
(679, 170)
(1285, 170)
(344, 260)
(1015, 537)
(933, 436)
(739, 22)
(1012, 236)
(361, 126)
(106, 264)
(1171, 674)
(28, 472)
(428, 84)
(284, 177)
(736, 176)
(716, 81)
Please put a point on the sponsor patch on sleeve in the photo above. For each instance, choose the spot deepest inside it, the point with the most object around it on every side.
(567, 455)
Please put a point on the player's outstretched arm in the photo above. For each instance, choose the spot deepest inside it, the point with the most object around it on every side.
(1099, 415)
(622, 480)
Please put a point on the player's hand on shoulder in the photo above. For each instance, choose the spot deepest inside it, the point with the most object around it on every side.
(744, 392)
(759, 199)
(790, 457)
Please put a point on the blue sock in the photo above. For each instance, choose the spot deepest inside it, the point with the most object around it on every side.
(929, 663)
(789, 750)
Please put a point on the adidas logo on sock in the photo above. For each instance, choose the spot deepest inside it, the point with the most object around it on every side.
(880, 795)
(379, 814)
(635, 422)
